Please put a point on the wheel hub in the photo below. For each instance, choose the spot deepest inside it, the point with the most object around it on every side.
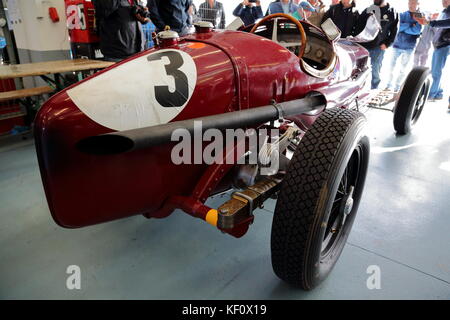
(421, 100)
(344, 205)
(347, 204)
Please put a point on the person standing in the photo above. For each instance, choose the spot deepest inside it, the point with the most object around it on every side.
(421, 54)
(172, 13)
(316, 17)
(404, 45)
(441, 43)
(2, 47)
(282, 6)
(304, 11)
(440, 24)
(119, 28)
(316, 4)
(248, 12)
(148, 29)
(345, 16)
(193, 14)
(388, 18)
(212, 11)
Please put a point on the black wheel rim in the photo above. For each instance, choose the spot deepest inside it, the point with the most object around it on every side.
(420, 103)
(341, 212)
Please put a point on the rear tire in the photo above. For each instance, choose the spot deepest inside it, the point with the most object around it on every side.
(315, 212)
(412, 100)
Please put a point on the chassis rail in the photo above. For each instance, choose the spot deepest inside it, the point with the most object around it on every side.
(125, 141)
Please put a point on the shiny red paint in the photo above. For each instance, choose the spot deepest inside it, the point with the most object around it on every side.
(236, 71)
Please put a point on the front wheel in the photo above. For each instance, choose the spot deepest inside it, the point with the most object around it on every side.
(412, 100)
(319, 198)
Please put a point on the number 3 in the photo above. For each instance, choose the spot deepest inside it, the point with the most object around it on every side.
(162, 93)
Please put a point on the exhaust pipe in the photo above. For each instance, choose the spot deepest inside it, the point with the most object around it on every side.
(142, 138)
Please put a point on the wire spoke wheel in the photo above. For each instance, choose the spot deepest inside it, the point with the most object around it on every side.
(412, 100)
(420, 104)
(319, 198)
(343, 202)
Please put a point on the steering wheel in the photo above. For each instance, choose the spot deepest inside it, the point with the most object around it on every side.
(276, 18)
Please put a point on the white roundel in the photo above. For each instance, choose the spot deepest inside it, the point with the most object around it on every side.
(150, 90)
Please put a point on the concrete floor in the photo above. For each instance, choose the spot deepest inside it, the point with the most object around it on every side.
(403, 226)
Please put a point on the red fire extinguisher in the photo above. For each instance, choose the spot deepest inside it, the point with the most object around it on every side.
(53, 13)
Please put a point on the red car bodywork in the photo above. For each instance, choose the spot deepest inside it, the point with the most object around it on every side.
(235, 71)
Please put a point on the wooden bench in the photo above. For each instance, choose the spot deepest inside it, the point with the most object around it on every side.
(28, 97)
(24, 93)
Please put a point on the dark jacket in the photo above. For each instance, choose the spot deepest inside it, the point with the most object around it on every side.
(120, 33)
(173, 13)
(441, 24)
(389, 21)
(408, 32)
(345, 19)
(442, 36)
(248, 15)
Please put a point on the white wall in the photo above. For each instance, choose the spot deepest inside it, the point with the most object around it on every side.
(33, 28)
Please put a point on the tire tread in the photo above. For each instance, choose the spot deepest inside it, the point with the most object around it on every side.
(295, 213)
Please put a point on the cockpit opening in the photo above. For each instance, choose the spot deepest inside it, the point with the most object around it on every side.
(310, 44)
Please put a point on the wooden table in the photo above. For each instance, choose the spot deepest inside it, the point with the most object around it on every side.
(43, 69)
(50, 67)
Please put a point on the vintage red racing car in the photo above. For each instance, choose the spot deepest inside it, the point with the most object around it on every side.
(104, 144)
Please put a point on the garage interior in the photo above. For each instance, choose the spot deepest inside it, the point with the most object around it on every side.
(402, 225)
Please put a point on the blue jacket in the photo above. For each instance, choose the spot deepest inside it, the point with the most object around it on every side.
(148, 29)
(276, 7)
(248, 14)
(408, 32)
